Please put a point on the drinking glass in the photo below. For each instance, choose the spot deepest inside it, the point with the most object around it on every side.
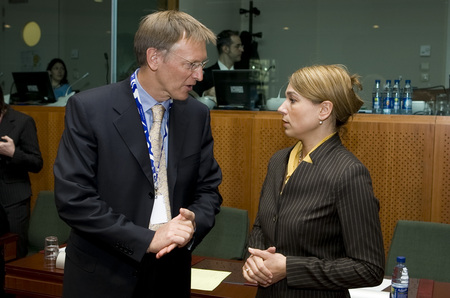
(51, 251)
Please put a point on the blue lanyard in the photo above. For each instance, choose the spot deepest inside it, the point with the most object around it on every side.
(135, 91)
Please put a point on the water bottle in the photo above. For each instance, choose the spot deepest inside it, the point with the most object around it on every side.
(400, 279)
(407, 98)
(376, 98)
(387, 98)
(397, 97)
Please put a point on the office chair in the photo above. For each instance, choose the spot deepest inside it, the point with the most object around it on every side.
(426, 246)
(228, 237)
(45, 221)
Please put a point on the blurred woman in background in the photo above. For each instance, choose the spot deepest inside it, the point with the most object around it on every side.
(58, 76)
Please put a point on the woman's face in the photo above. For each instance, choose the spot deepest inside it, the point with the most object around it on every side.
(300, 115)
(57, 72)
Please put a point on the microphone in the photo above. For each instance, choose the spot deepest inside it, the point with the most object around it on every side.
(107, 67)
(70, 86)
(282, 86)
(274, 103)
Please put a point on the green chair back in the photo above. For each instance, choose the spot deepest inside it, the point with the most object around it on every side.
(45, 221)
(426, 247)
(228, 238)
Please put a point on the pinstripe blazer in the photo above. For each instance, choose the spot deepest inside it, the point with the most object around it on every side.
(325, 222)
(14, 180)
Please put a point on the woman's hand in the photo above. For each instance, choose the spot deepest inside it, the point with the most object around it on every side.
(264, 267)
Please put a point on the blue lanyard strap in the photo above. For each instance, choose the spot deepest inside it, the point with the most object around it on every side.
(135, 91)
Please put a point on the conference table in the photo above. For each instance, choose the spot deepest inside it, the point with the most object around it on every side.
(28, 277)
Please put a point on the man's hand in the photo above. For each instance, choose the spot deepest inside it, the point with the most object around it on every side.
(7, 146)
(175, 233)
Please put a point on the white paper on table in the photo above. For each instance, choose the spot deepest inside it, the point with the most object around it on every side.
(207, 280)
(372, 292)
(360, 293)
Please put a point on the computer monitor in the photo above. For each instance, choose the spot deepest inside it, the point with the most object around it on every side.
(32, 88)
(236, 89)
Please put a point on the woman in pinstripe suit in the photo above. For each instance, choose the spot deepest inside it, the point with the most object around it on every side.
(317, 232)
(19, 154)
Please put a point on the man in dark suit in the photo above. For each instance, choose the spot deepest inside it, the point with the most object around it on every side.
(108, 179)
(19, 154)
(230, 49)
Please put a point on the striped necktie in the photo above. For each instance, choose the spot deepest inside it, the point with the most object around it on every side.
(161, 201)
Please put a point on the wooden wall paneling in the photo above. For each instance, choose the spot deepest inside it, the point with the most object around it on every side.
(440, 211)
(232, 149)
(398, 151)
(49, 125)
(268, 138)
(407, 156)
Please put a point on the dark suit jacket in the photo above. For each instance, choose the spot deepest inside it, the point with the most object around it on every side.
(325, 222)
(104, 191)
(14, 180)
(208, 80)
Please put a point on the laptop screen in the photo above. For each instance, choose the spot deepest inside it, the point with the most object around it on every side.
(236, 88)
(33, 88)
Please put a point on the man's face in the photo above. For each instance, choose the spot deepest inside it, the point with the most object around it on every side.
(175, 75)
(235, 49)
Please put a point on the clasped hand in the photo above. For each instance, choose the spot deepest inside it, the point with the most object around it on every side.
(175, 233)
(7, 146)
(264, 267)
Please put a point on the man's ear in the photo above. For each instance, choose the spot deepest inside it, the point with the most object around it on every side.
(326, 107)
(153, 58)
(225, 49)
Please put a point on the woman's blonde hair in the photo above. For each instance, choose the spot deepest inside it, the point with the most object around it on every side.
(319, 83)
(161, 30)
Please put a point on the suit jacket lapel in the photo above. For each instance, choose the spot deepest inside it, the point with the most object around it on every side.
(130, 128)
(7, 124)
(326, 147)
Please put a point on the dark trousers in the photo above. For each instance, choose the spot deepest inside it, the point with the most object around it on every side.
(19, 221)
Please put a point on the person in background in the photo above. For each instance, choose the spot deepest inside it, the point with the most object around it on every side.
(317, 232)
(230, 50)
(58, 75)
(19, 155)
(135, 222)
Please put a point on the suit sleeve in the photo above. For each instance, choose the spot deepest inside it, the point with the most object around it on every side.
(27, 155)
(207, 199)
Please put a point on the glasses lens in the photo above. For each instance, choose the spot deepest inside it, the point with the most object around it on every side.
(195, 66)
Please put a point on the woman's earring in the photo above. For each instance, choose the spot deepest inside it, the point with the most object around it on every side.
(320, 122)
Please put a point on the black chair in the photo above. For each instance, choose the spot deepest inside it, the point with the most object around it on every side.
(228, 238)
(45, 221)
(426, 247)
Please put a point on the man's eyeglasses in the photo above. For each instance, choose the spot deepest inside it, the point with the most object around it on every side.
(192, 66)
